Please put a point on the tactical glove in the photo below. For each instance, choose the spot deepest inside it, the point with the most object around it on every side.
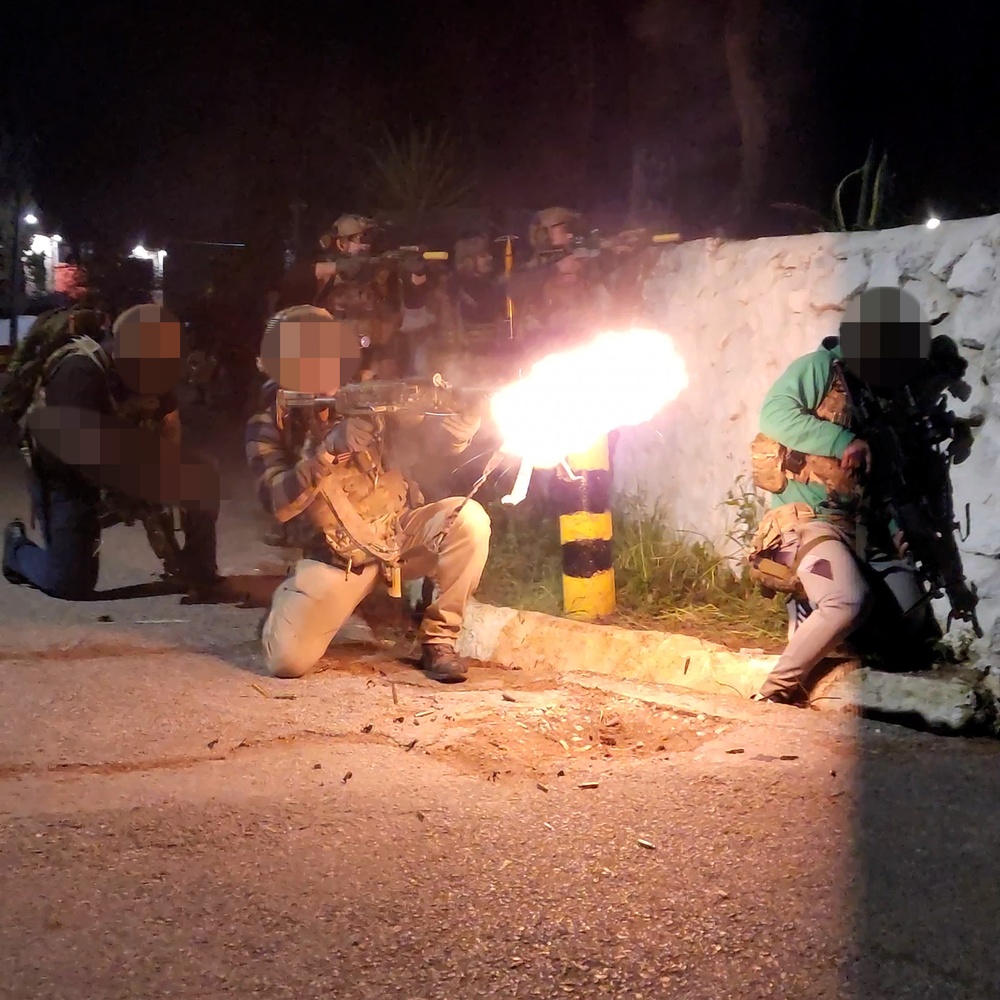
(462, 427)
(354, 434)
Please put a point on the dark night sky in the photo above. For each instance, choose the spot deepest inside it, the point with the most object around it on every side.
(202, 121)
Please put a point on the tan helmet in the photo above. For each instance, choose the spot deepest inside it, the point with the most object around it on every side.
(270, 359)
(352, 225)
(544, 220)
(469, 250)
(344, 228)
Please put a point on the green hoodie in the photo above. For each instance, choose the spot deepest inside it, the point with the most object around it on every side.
(786, 415)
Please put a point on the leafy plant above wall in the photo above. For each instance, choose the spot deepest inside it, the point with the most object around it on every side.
(871, 196)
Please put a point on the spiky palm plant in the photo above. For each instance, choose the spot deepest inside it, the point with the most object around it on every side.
(419, 174)
(870, 197)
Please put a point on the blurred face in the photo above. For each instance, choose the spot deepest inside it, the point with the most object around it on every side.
(311, 355)
(147, 351)
(484, 264)
(884, 338)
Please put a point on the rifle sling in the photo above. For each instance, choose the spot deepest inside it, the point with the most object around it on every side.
(806, 549)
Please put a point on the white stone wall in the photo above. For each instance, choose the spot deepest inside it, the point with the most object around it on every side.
(741, 312)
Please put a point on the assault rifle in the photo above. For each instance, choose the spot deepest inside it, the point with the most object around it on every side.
(414, 258)
(428, 396)
(593, 244)
(914, 440)
(161, 524)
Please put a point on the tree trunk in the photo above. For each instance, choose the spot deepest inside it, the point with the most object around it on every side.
(638, 201)
(578, 24)
(742, 32)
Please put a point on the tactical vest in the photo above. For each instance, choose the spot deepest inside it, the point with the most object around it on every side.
(355, 515)
(358, 509)
(77, 347)
(774, 465)
(82, 346)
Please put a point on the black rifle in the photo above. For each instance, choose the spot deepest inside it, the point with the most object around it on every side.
(160, 523)
(595, 243)
(914, 439)
(417, 395)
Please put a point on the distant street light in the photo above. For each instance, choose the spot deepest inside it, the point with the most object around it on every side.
(139, 252)
(933, 222)
(31, 219)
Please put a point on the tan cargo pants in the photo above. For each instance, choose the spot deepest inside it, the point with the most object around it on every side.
(311, 606)
(838, 594)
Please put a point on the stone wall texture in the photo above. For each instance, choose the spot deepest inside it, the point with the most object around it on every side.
(741, 312)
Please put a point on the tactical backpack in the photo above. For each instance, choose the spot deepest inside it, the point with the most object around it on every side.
(51, 332)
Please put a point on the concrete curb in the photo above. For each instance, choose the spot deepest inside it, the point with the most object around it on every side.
(955, 701)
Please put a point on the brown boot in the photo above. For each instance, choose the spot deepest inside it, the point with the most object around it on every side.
(441, 663)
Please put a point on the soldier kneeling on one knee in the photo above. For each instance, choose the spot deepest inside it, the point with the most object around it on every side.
(816, 543)
(342, 480)
(70, 508)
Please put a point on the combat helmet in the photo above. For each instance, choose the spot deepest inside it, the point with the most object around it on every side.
(344, 228)
(270, 346)
(544, 220)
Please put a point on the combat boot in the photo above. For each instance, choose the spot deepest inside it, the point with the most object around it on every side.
(441, 663)
(14, 535)
(796, 699)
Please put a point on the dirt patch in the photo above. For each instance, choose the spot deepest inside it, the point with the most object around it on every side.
(544, 735)
(502, 723)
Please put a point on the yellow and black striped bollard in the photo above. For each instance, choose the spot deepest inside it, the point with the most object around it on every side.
(585, 531)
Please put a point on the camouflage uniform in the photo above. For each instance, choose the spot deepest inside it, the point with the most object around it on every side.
(570, 301)
(479, 295)
(351, 286)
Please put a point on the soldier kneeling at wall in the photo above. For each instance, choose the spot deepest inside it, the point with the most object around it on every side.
(361, 519)
(826, 530)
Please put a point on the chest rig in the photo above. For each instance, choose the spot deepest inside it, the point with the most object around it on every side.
(354, 516)
(774, 465)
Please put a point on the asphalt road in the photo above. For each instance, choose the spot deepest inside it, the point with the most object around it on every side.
(174, 824)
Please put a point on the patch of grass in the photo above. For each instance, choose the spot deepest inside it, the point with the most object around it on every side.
(670, 580)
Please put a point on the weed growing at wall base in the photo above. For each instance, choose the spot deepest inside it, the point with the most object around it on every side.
(666, 579)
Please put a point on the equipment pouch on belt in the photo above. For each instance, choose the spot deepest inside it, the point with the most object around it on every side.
(772, 576)
(767, 458)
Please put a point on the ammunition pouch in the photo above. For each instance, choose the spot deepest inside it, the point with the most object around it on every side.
(773, 465)
(777, 529)
(767, 459)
